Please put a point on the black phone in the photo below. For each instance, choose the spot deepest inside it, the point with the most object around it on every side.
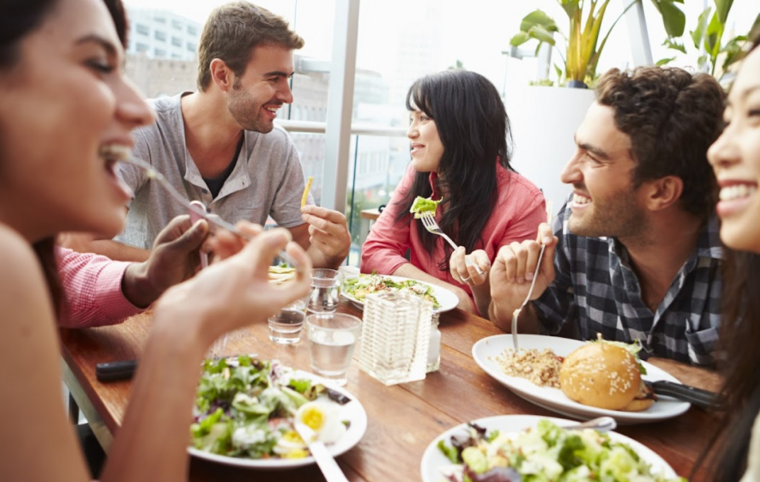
(118, 370)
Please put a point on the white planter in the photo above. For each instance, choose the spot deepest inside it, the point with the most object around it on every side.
(544, 120)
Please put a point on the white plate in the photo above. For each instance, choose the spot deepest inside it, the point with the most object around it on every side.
(433, 460)
(486, 350)
(447, 300)
(352, 412)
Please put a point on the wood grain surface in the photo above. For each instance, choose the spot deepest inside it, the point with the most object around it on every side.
(402, 419)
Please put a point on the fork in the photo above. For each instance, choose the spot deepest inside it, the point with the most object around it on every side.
(516, 313)
(428, 220)
(194, 209)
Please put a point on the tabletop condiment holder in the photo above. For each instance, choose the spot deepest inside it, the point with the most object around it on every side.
(395, 337)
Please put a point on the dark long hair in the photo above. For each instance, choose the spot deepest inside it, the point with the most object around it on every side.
(19, 18)
(740, 329)
(474, 130)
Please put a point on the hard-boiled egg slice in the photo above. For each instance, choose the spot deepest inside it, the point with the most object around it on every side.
(322, 417)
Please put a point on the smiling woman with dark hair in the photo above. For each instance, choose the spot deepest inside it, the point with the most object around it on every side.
(66, 117)
(460, 136)
(735, 158)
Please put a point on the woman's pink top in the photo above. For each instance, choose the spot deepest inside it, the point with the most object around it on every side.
(92, 293)
(519, 209)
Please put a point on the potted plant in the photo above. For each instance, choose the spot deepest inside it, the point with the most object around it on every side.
(583, 45)
(707, 37)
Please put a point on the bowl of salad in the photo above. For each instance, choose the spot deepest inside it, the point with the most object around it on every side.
(526, 448)
(245, 411)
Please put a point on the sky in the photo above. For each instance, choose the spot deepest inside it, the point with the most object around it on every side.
(475, 35)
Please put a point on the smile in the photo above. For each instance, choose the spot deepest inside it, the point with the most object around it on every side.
(580, 199)
(737, 191)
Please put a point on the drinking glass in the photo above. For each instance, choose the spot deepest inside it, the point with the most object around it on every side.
(331, 344)
(285, 326)
(325, 291)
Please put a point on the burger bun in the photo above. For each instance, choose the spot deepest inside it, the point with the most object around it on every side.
(601, 375)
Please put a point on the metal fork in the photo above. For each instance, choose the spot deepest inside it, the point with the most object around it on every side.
(516, 313)
(428, 220)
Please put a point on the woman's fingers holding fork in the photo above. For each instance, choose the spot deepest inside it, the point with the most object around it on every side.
(471, 269)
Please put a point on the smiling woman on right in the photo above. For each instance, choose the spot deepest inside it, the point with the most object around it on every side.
(735, 157)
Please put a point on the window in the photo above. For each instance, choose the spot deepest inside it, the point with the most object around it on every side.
(159, 53)
(142, 47)
(177, 24)
(192, 30)
(191, 47)
(159, 35)
(142, 29)
(159, 19)
(177, 42)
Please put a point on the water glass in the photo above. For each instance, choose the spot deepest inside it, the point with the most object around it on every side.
(325, 291)
(331, 344)
(285, 326)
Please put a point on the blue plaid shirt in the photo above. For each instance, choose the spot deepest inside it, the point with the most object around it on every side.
(597, 291)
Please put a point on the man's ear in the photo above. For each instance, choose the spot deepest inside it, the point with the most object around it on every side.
(221, 75)
(663, 193)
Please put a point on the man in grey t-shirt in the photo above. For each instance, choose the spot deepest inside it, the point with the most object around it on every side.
(219, 145)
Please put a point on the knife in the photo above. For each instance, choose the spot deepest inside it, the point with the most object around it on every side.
(696, 396)
(325, 461)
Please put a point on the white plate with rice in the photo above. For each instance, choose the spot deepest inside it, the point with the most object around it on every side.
(487, 352)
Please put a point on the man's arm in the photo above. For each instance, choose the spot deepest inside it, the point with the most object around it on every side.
(695, 376)
(92, 243)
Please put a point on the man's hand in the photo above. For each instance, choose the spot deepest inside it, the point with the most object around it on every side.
(173, 259)
(328, 234)
(513, 271)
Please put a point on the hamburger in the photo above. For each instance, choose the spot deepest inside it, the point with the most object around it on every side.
(605, 375)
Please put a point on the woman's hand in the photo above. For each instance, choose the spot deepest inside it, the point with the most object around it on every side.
(236, 292)
(473, 274)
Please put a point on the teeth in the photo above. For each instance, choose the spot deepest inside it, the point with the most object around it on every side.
(578, 199)
(737, 191)
(114, 152)
(272, 109)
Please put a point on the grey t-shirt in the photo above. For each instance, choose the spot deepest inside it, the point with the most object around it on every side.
(267, 180)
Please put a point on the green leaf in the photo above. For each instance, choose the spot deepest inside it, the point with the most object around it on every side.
(698, 34)
(662, 62)
(723, 7)
(673, 44)
(713, 36)
(519, 38)
(673, 19)
(538, 17)
(559, 72)
(541, 34)
(571, 7)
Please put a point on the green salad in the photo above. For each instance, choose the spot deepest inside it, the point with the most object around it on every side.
(360, 286)
(546, 453)
(423, 205)
(246, 408)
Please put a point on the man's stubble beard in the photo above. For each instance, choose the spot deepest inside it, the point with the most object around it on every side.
(614, 217)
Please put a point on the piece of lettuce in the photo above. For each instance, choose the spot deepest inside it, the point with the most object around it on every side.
(423, 205)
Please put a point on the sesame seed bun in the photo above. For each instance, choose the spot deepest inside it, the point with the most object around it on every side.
(601, 375)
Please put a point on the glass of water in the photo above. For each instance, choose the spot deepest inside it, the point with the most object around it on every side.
(325, 291)
(285, 326)
(331, 344)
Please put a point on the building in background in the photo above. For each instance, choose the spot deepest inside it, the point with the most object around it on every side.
(161, 34)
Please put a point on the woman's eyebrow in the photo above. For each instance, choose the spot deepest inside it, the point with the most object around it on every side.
(93, 38)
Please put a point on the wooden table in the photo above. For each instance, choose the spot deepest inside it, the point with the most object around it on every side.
(403, 419)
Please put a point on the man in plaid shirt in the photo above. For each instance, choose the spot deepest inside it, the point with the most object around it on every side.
(635, 253)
